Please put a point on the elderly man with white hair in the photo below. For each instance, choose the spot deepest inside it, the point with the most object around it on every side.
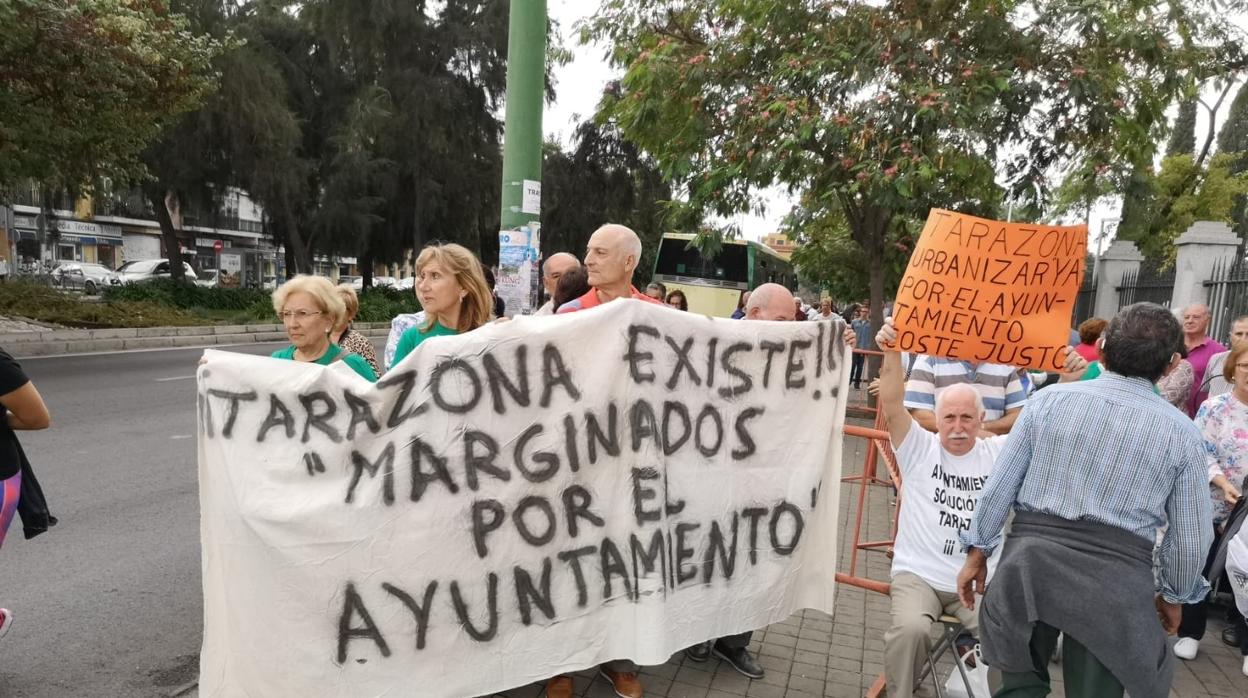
(1200, 349)
(943, 475)
(553, 268)
(611, 257)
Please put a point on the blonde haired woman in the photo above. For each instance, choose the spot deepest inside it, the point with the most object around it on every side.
(310, 308)
(349, 339)
(450, 284)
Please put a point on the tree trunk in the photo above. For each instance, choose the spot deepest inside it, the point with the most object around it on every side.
(296, 248)
(173, 248)
(365, 264)
(869, 227)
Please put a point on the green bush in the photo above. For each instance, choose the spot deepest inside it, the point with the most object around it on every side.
(46, 304)
(186, 295)
(164, 302)
(383, 304)
(376, 304)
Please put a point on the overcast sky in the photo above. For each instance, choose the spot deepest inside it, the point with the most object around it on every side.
(579, 83)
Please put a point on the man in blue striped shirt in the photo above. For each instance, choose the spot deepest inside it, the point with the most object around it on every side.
(1093, 470)
(999, 387)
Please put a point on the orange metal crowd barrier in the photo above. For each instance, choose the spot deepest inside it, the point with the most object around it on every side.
(879, 449)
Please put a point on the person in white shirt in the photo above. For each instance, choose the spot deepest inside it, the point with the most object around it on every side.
(553, 268)
(942, 476)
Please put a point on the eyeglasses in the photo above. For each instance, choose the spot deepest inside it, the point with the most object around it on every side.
(300, 315)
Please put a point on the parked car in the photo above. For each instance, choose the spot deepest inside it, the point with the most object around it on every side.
(146, 270)
(384, 282)
(208, 278)
(82, 276)
(407, 283)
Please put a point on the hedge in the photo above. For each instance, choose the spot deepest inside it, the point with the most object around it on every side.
(46, 304)
(376, 304)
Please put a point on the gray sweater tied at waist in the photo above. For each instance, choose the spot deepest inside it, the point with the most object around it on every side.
(1093, 582)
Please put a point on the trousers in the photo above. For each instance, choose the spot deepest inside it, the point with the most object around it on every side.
(916, 606)
(1083, 673)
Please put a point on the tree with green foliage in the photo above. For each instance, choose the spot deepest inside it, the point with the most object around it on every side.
(1212, 200)
(1233, 138)
(827, 258)
(1183, 132)
(85, 85)
(431, 76)
(243, 129)
(1154, 202)
(881, 110)
(603, 179)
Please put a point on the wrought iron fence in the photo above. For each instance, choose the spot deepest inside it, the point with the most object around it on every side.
(1085, 301)
(1147, 284)
(1227, 294)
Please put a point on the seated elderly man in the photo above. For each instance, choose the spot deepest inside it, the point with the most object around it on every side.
(942, 475)
(1000, 389)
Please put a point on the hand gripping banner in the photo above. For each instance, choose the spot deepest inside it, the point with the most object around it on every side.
(530, 498)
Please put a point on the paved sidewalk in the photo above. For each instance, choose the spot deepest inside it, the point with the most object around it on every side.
(811, 654)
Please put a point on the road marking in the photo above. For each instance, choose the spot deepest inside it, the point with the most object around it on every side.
(179, 437)
(144, 351)
(175, 378)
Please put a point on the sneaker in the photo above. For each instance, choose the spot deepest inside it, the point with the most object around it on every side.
(624, 683)
(1244, 668)
(740, 659)
(6, 621)
(559, 687)
(699, 652)
(1186, 648)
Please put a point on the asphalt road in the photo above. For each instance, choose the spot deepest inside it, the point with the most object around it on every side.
(108, 603)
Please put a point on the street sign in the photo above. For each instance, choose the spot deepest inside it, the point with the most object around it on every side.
(217, 245)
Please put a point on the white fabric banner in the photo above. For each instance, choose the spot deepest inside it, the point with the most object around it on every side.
(530, 498)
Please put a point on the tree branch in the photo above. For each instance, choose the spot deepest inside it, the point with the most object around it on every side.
(1213, 120)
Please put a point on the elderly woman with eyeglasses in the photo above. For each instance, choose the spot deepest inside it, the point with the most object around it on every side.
(310, 309)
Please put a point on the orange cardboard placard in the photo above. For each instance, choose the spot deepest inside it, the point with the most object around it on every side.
(991, 292)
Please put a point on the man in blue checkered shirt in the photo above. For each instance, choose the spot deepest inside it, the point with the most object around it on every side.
(1092, 471)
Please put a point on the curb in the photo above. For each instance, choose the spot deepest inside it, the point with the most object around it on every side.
(25, 345)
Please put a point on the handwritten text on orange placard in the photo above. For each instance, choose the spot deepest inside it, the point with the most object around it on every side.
(988, 291)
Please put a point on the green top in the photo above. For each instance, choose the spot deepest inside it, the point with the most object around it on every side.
(414, 336)
(357, 363)
(1094, 370)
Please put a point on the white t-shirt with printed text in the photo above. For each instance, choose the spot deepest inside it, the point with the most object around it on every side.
(939, 494)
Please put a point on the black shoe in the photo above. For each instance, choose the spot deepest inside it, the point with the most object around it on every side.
(740, 659)
(699, 652)
(965, 645)
(1230, 635)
